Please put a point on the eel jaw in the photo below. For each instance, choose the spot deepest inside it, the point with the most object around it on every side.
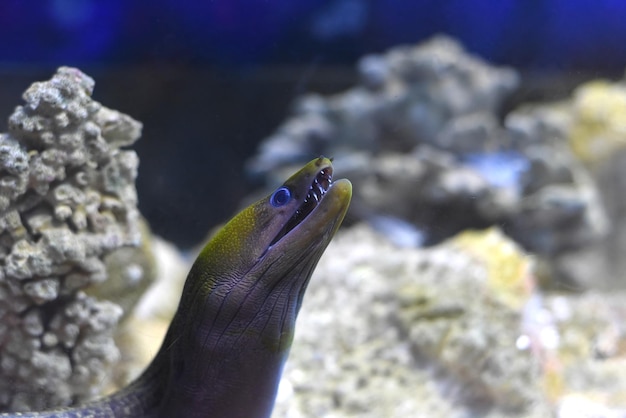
(317, 189)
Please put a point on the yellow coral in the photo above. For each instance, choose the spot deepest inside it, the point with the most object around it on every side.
(599, 120)
(508, 267)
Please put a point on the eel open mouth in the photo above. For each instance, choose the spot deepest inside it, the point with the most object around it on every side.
(318, 188)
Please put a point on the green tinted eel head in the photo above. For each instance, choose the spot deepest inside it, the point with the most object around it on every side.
(276, 232)
(224, 352)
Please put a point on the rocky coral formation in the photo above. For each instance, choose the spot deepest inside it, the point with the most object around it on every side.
(455, 330)
(67, 200)
(414, 332)
(407, 96)
(421, 139)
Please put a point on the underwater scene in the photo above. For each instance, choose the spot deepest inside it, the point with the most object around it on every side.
(313, 209)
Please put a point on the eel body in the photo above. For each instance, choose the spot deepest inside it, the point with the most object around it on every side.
(223, 354)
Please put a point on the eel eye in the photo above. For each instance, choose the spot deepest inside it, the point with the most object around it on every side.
(280, 197)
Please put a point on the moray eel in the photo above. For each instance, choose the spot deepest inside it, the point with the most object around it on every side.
(223, 354)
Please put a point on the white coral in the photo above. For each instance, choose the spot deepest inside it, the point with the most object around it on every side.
(67, 200)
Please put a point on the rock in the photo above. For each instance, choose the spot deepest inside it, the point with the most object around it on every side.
(414, 332)
(68, 204)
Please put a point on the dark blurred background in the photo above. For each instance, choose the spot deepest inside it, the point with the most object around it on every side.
(211, 79)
